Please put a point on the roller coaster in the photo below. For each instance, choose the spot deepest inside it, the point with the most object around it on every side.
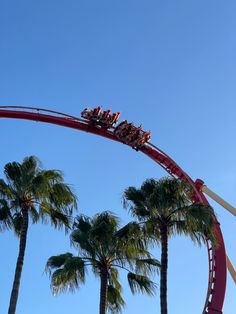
(105, 124)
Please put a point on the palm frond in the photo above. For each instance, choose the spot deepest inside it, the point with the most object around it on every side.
(57, 261)
(82, 223)
(52, 175)
(114, 278)
(69, 273)
(49, 213)
(140, 283)
(151, 231)
(61, 195)
(81, 239)
(115, 301)
(134, 201)
(131, 235)
(13, 171)
(5, 190)
(148, 266)
(104, 227)
(130, 230)
(17, 221)
(60, 220)
(196, 221)
(29, 167)
(5, 215)
(34, 214)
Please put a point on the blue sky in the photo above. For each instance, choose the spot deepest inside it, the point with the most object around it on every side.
(168, 65)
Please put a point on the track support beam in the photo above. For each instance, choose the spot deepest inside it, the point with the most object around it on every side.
(219, 200)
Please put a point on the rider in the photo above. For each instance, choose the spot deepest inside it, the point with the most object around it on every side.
(127, 129)
(144, 139)
(86, 113)
(96, 113)
(114, 117)
(120, 127)
(134, 135)
(106, 114)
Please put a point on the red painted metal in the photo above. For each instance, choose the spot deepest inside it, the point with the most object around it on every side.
(216, 255)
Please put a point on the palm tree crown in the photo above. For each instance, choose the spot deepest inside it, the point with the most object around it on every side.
(32, 193)
(105, 247)
(165, 208)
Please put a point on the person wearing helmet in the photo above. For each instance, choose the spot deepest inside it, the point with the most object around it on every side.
(86, 113)
(96, 113)
(119, 128)
(144, 139)
(135, 133)
(114, 118)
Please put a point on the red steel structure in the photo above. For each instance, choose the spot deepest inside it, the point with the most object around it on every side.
(216, 255)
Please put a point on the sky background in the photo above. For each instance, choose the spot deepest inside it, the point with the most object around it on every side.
(170, 65)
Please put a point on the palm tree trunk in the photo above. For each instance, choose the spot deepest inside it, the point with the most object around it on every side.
(164, 266)
(103, 290)
(20, 261)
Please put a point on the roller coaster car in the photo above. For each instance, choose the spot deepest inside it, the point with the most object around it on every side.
(141, 139)
(145, 137)
(132, 135)
(91, 114)
(103, 119)
(108, 120)
(123, 129)
(121, 126)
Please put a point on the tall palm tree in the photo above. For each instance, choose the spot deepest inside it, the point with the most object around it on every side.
(32, 193)
(165, 209)
(107, 248)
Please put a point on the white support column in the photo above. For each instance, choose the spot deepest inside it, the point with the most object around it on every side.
(219, 200)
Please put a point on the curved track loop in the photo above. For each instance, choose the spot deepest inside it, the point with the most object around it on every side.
(216, 255)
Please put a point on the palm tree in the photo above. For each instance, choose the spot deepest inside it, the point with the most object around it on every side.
(32, 193)
(165, 209)
(106, 248)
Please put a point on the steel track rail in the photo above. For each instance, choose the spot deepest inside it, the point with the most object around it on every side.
(216, 255)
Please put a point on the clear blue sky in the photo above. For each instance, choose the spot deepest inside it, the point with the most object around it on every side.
(170, 65)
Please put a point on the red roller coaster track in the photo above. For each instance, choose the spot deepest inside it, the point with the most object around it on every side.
(216, 255)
